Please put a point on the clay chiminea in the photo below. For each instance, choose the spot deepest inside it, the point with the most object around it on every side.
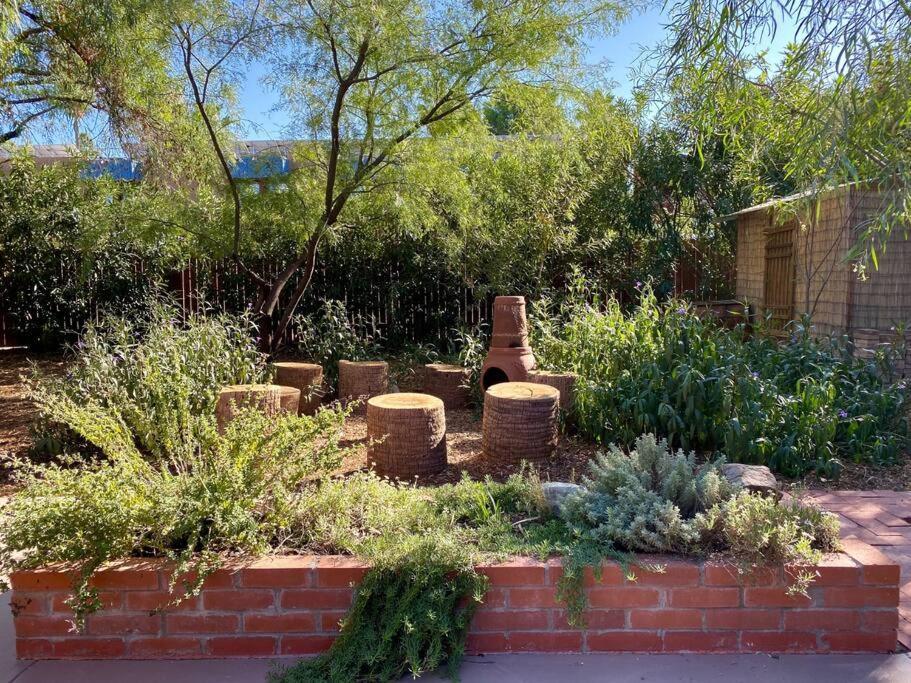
(510, 357)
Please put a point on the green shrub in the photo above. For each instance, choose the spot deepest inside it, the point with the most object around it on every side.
(657, 501)
(332, 334)
(661, 368)
(153, 381)
(230, 494)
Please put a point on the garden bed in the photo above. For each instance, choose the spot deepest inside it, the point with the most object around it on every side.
(291, 606)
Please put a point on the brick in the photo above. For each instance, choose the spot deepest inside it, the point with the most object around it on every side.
(623, 596)
(495, 597)
(153, 601)
(550, 641)
(723, 574)
(166, 647)
(34, 648)
(291, 622)
(242, 646)
(877, 568)
(339, 572)
(777, 641)
(624, 641)
(24, 604)
(611, 574)
(675, 573)
(704, 597)
(277, 572)
(480, 643)
(517, 572)
(541, 598)
(42, 626)
(860, 642)
(41, 580)
(861, 596)
(127, 577)
(122, 624)
(821, 620)
(595, 619)
(329, 620)
(90, 648)
(305, 645)
(510, 620)
(316, 598)
(201, 623)
(236, 599)
(700, 641)
(220, 578)
(740, 619)
(665, 618)
(834, 570)
(879, 620)
(773, 597)
(108, 600)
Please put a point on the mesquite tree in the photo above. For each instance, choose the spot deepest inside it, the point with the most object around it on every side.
(361, 81)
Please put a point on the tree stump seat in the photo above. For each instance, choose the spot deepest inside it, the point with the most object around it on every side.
(407, 435)
(359, 380)
(307, 378)
(564, 382)
(449, 383)
(520, 422)
(270, 399)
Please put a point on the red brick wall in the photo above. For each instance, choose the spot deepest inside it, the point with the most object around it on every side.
(291, 606)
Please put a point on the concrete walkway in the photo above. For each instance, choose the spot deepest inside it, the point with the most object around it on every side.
(882, 519)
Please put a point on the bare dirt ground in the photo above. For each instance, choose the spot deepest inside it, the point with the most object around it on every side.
(16, 411)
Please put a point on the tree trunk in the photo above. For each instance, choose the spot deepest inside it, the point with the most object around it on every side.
(272, 332)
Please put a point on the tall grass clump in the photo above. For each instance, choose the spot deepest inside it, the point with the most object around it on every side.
(796, 405)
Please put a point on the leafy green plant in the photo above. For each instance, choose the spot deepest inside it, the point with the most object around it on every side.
(154, 376)
(799, 405)
(473, 345)
(229, 494)
(654, 500)
(332, 334)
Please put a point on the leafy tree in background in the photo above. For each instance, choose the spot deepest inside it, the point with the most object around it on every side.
(364, 82)
(834, 110)
(66, 62)
(65, 254)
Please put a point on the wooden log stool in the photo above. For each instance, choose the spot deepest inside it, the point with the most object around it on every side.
(362, 380)
(270, 399)
(407, 435)
(307, 377)
(564, 382)
(520, 422)
(448, 383)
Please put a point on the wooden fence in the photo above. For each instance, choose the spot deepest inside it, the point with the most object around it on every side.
(399, 308)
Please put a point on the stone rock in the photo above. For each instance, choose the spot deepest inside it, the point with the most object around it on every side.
(755, 478)
(556, 493)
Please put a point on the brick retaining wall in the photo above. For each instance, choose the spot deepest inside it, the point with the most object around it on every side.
(292, 605)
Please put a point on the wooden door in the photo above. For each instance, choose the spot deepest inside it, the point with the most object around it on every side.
(780, 266)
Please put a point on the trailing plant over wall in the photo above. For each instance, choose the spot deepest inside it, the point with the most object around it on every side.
(795, 406)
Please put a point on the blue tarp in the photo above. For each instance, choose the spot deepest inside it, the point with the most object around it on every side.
(247, 168)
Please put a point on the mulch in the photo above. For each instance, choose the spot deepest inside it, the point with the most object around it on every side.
(464, 454)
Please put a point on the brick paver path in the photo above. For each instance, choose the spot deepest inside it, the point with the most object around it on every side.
(883, 519)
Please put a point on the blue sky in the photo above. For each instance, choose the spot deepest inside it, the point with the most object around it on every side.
(641, 30)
